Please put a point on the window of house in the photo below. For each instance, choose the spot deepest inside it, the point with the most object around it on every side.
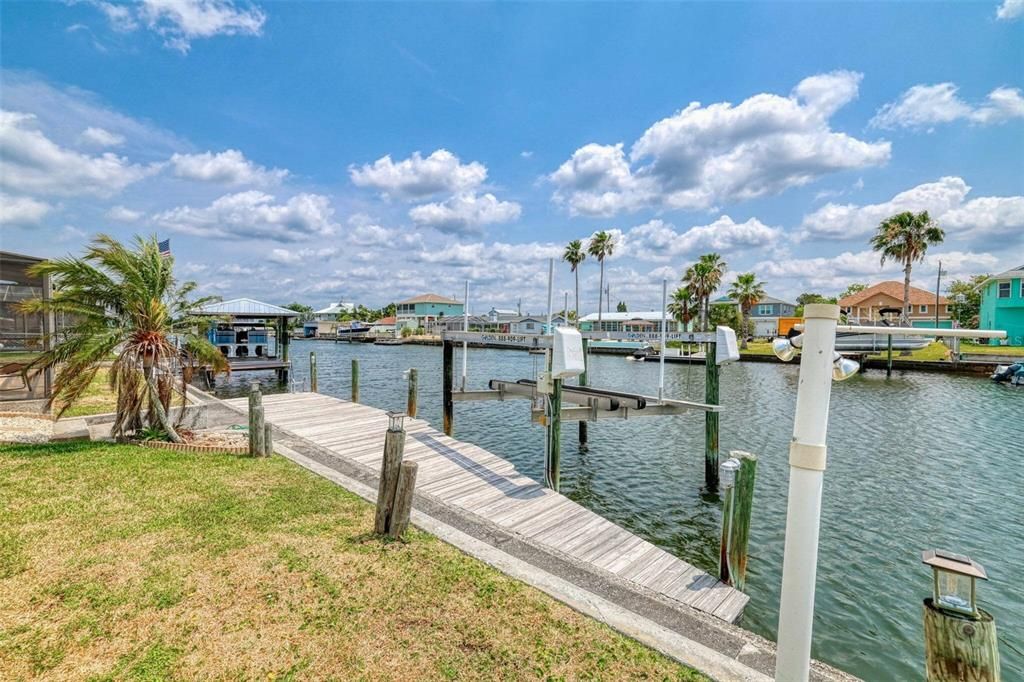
(922, 309)
(765, 309)
(1022, 288)
(1004, 290)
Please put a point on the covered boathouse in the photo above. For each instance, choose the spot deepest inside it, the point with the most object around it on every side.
(252, 335)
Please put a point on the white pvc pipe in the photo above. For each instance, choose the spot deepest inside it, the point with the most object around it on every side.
(551, 277)
(661, 353)
(465, 328)
(803, 514)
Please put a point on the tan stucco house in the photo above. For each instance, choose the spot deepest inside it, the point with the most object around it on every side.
(865, 305)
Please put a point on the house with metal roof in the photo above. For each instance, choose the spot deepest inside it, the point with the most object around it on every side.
(1002, 305)
(420, 311)
(630, 321)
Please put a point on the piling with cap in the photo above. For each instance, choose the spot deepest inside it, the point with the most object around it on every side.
(355, 380)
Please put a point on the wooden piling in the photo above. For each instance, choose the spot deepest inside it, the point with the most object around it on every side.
(958, 648)
(257, 433)
(736, 513)
(268, 440)
(553, 474)
(403, 500)
(255, 403)
(413, 396)
(355, 380)
(582, 381)
(312, 371)
(447, 372)
(394, 446)
(888, 358)
(710, 418)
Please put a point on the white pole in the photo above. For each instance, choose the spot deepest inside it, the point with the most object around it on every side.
(806, 473)
(661, 352)
(551, 278)
(465, 328)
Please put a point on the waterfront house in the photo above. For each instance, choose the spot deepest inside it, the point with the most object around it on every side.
(327, 318)
(764, 314)
(502, 314)
(385, 326)
(1002, 305)
(632, 321)
(420, 311)
(534, 324)
(865, 306)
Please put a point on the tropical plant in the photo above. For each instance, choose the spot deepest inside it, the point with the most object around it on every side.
(905, 238)
(703, 278)
(600, 247)
(682, 306)
(125, 304)
(965, 300)
(746, 291)
(854, 288)
(575, 255)
(620, 307)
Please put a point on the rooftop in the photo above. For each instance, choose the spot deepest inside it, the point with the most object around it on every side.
(649, 315)
(1009, 274)
(430, 298)
(895, 290)
(245, 307)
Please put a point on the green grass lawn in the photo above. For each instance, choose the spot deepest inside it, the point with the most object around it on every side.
(933, 352)
(122, 563)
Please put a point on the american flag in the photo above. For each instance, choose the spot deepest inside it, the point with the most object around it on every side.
(165, 247)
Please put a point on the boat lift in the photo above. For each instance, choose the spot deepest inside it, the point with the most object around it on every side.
(588, 403)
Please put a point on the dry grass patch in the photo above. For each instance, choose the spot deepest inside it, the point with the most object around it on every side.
(123, 563)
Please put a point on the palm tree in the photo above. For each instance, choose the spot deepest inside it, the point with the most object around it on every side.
(600, 247)
(746, 291)
(703, 278)
(905, 237)
(574, 255)
(125, 303)
(681, 306)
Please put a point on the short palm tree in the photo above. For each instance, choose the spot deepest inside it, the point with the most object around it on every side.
(600, 247)
(125, 304)
(681, 307)
(746, 291)
(574, 255)
(905, 238)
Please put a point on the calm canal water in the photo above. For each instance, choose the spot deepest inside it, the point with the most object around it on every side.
(916, 461)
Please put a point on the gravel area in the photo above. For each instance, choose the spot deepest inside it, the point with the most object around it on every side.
(25, 429)
(219, 438)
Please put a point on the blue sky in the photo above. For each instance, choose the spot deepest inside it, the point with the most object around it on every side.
(317, 151)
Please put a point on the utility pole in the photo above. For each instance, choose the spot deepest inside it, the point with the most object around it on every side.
(938, 284)
(608, 297)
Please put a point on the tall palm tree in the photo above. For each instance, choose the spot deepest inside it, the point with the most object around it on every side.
(681, 306)
(905, 238)
(703, 278)
(746, 291)
(125, 303)
(600, 247)
(574, 255)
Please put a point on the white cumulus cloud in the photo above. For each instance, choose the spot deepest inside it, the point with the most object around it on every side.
(22, 211)
(123, 214)
(34, 164)
(465, 212)
(924, 106)
(99, 137)
(945, 200)
(657, 240)
(229, 167)
(254, 215)
(1010, 10)
(703, 155)
(179, 22)
(418, 177)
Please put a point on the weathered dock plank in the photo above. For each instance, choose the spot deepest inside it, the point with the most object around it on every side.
(492, 489)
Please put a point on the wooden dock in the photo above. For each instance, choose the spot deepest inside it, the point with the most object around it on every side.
(490, 488)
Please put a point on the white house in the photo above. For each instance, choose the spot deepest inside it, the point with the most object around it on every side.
(533, 324)
(639, 321)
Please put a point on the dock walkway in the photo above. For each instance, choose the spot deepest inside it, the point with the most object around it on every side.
(490, 488)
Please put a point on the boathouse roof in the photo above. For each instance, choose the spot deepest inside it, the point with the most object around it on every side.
(649, 315)
(245, 306)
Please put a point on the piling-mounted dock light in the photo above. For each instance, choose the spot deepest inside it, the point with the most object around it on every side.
(395, 421)
(727, 472)
(954, 578)
(842, 367)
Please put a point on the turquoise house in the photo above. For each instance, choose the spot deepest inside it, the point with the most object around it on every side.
(1002, 305)
(420, 311)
